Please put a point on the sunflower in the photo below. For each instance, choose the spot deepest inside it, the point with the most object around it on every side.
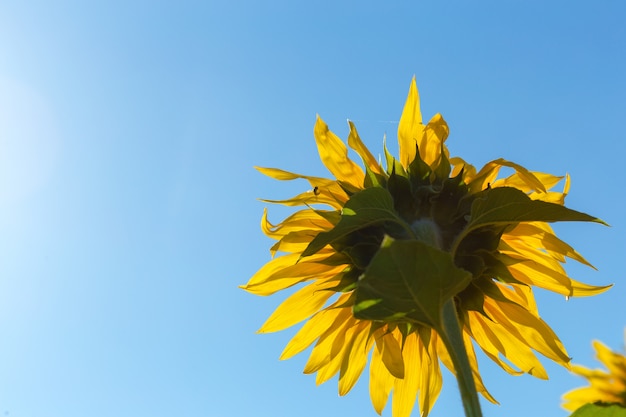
(604, 386)
(375, 253)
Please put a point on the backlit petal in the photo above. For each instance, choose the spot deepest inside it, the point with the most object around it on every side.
(405, 390)
(310, 332)
(354, 358)
(334, 155)
(410, 128)
(299, 306)
(354, 141)
(381, 382)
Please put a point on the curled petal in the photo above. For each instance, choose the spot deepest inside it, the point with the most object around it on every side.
(433, 136)
(283, 272)
(334, 155)
(354, 141)
(323, 191)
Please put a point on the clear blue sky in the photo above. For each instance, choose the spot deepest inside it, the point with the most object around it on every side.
(128, 201)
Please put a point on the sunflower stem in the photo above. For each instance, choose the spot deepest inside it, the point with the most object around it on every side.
(453, 339)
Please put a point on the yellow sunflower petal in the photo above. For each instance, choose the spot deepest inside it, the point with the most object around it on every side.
(469, 171)
(391, 353)
(580, 289)
(533, 273)
(430, 377)
(338, 351)
(326, 347)
(381, 382)
(430, 144)
(405, 390)
(615, 363)
(323, 191)
(284, 272)
(515, 346)
(266, 271)
(488, 340)
(530, 330)
(480, 386)
(310, 198)
(300, 220)
(485, 177)
(294, 242)
(535, 236)
(355, 357)
(310, 332)
(354, 141)
(334, 155)
(522, 179)
(410, 128)
(299, 306)
(581, 396)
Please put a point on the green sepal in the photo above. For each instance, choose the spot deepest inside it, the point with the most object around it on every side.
(347, 303)
(373, 179)
(392, 163)
(408, 281)
(332, 216)
(425, 333)
(445, 208)
(348, 280)
(400, 189)
(492, 290)
(472, 299)
(419, 171)
(348, 188)
(365, 208)
(405, 330)
(600, 410)
(471, 262)
(442, 172)
(335, 259)
(486, 238)
(500, 271)
(360, 246)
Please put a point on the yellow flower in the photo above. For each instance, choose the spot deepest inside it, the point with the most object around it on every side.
(372, 271)
(604, 386)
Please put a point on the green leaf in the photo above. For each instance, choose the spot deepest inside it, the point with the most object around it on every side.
(503, 205)
(408, 280)
(600, 410)
(365, 208)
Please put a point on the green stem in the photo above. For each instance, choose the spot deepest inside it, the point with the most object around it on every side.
(453, 339)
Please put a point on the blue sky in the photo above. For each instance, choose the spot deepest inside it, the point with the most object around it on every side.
(128, 201)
